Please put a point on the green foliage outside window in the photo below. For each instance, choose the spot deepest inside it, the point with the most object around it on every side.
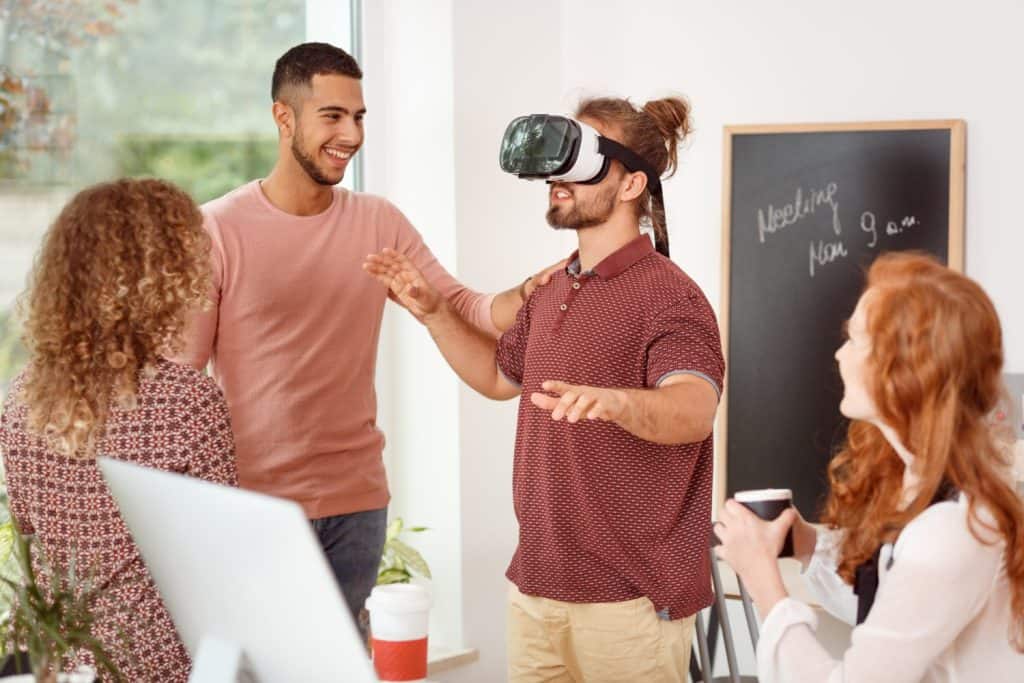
(206, 167)
(12, 353)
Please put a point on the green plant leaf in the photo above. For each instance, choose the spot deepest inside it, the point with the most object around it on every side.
(411, 557)
(394, 528)
(399, 560)
(393, 576)
(51, 611)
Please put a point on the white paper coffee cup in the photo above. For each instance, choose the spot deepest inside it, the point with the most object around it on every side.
(399, 621)
(769, 504)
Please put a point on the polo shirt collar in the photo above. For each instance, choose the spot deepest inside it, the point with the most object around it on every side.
(615, 263)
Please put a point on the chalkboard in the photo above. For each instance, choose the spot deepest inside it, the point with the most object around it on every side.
(806, 208)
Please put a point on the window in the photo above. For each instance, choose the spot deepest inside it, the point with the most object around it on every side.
(96, 89)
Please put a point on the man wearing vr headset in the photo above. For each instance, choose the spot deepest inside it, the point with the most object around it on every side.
(619, 365)
(292, 334)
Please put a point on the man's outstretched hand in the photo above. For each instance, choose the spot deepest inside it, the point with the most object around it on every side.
(405, 283)
(574, 402)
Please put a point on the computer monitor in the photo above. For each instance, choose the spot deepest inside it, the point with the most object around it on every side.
(240, 570)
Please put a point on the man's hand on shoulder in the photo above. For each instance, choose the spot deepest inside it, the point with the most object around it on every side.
(506, 305)
(542, 278)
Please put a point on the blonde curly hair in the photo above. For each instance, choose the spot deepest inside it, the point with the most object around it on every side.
(116, 276)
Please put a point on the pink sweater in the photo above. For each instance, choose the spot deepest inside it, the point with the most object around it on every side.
(293, 340)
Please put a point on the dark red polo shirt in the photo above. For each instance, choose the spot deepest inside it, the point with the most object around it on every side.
(603, 515)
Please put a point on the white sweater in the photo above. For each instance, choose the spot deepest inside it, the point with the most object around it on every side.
(941, 614)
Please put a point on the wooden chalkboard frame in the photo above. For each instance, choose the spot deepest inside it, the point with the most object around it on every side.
(957, 175)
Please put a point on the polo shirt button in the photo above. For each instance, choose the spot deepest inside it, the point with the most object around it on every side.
(575, 285)
(564, 307)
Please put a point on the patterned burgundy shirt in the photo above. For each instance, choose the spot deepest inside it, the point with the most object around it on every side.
(603, 515)
(181, 425)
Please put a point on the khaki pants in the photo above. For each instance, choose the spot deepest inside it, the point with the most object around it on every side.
(608, 642)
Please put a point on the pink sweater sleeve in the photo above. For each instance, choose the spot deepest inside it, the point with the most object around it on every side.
(472, 306)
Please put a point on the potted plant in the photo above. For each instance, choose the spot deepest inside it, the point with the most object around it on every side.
(49, 619)
(400, 561)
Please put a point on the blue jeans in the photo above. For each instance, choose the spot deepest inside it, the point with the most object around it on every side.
(353, 544)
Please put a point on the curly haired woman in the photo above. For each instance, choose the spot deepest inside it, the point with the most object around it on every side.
(107, 301)
(924, 540)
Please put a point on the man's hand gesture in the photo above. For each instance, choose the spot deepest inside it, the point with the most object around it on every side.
(575, 402)
(405, 283)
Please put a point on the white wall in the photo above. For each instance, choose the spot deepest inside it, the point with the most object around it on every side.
(506, 63)
(739, 62)
(409, 159)
(329, 22)
(806, 60)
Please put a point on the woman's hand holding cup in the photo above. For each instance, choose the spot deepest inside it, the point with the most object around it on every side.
(751, 545)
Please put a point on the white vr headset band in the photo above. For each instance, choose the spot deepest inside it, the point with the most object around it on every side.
(589, 160)
(589, 163)
(592, 158)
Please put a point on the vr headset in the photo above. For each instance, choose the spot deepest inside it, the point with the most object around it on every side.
(557, 148)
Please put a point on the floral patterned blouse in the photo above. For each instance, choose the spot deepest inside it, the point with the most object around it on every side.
(180, 424)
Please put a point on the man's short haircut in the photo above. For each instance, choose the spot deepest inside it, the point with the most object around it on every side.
(296, 68)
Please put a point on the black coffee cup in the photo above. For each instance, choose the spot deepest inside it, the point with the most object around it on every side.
(769, 504)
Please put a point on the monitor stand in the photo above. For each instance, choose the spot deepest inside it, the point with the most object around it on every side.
(218, 661)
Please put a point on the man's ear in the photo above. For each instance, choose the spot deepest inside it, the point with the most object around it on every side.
(633, 186)
(284, 118)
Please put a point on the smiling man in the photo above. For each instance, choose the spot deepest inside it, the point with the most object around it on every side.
(293, 331)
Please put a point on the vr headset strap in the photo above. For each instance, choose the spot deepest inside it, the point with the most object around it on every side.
(635, 163)
(632, 161)
(660, 241)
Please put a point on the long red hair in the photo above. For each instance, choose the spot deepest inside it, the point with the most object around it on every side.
(935, 378)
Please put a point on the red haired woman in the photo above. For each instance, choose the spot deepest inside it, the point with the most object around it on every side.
(923, 545)
(117, 273)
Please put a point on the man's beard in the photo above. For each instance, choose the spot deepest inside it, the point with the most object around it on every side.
(582, 216)
(308, 164)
